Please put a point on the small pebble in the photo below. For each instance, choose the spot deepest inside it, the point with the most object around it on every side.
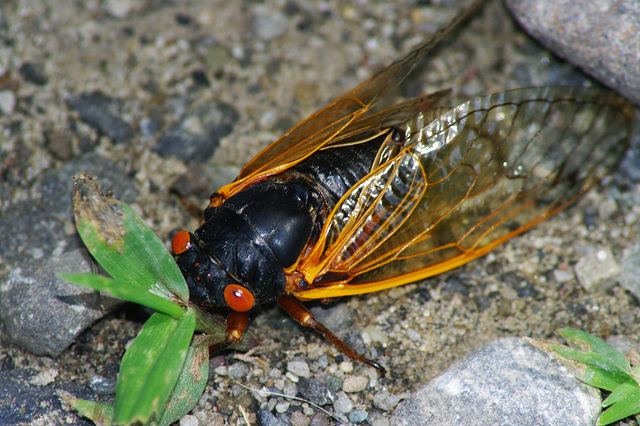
(267, 418)
(374, 334)
(275, 373)
(358, 416)
(118, 8)
(321, 419)
(269, 24)
(189, 420)
(290, 389)
(384, 401)
(102, 385)
(238, 370)
(595, 271)
(103, 113)
(355, 384)
(282, 407)
(44, 377)
(562, 276)
(33, 72)
(198, 133)
(292, 377)
(380, 421)
(630, 276)
(315, 391)
(413, 335)
(342, 403)
(307, 410)
(299, 419)
(346, 366)
(7, 102)
(334, 383)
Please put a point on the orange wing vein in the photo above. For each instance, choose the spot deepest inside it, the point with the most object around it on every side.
(464, 183)
(325, 126)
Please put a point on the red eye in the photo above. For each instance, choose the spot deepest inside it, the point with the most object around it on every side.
(238, 298)
(181, 242)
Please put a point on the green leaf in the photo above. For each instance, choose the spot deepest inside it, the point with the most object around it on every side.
(590, 359)
(123, 244)
(99, 413)
(600, 365)
(126, 291)
(151, 366)
(589, 367)
(212, 324)
(191, 382)
(599, 378)
(608, 358)
(628, 389)
(627, 404)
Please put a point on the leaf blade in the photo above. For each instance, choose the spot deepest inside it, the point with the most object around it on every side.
(126, 291)
(122, 243)
(151, 366)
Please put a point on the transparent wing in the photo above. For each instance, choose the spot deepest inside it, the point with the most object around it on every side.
(465, 182)
(324, 126)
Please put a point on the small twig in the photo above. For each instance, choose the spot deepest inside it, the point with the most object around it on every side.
(244, 415)
(295, 398)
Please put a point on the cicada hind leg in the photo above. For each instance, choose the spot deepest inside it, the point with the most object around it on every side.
(301, 314)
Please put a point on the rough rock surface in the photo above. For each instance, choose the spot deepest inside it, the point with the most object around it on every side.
(599, 36)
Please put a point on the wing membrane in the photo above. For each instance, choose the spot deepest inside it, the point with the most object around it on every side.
(479, 174)
(321, 128)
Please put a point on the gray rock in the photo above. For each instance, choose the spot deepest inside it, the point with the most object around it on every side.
(45, 314)
(33, 72)
(504, 382)
(238, 370)
(102, 385)
(194, 138)
(315, 391)
(358, 416)
(599, 36)
(102, 113)
(266, 418)
(26, 401)
(630, 275)
(41, 312)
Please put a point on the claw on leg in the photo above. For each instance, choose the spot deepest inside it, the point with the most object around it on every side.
(237, 323)
(301, 314)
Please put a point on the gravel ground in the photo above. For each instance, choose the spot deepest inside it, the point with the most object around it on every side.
(263, 67)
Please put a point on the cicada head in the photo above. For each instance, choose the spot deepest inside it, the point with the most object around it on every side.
(225, 266)
(203, 275)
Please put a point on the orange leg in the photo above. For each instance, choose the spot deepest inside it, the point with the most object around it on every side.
(236, 325)
(299, 313)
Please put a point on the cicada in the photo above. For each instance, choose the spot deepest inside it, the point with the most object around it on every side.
(362, 197)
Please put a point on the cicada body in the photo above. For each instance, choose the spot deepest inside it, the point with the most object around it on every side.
(358, 199)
